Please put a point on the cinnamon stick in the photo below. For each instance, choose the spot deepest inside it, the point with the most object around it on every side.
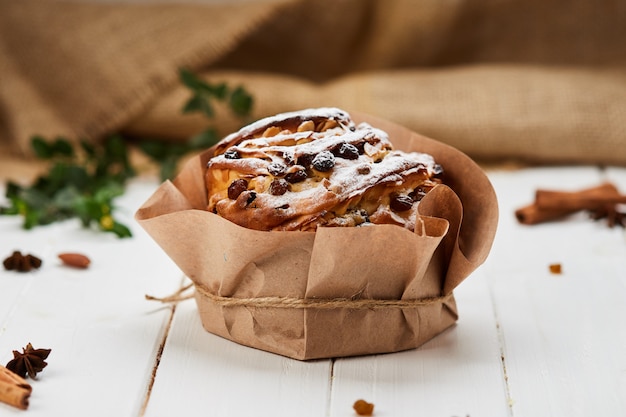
(587, 199)
(14, 390)
(533, 214)
(552, 205)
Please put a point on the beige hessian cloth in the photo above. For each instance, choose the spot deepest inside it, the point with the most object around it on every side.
(540, 81)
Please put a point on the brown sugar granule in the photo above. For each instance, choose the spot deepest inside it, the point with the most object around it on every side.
(363, 408)
(555, 268)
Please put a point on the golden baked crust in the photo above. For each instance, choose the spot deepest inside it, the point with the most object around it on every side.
(301, 170)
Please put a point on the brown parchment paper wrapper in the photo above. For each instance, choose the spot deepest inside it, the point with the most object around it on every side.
(322, 276)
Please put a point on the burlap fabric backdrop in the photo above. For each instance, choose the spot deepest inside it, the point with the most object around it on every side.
(535, 80)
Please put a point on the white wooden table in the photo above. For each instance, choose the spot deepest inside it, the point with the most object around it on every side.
(528, 342)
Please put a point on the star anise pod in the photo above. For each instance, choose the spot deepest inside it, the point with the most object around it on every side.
(21, 263)
(30, 361)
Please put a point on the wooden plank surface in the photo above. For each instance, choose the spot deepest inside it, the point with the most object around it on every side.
(204, 375)
(528, 342)
(103, 333)
(563, 335)
(458, 373)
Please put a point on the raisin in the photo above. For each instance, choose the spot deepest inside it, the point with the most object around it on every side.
(363, 408)
(417, 194)
(399, 202)
(251, 197)
(276, 169)
(324, 161)
(279, 187)
(347, 151)
(305, 160)
(296, 176)
(232, 154)
(437, 171)
(289, 158)
(236, 188)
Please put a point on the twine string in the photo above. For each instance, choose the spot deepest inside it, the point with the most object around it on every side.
(298, 303)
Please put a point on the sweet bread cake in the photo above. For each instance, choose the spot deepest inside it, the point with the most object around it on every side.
(316, 167)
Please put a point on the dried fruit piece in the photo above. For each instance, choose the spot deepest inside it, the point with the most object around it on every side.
(30, 361)
(279, 187)
(251, 198)
(232, 154)
(236, 188)
(276, 169)
(305, 159)
(555, 268)
(400, 203)
(324, 161)
(348, 151)
(296, 176)
(75, 260)
(363, 408)
(417, 194)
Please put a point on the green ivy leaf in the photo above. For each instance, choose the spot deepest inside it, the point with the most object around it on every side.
(240, 102)
(168, 168)
(189, 79)
(192, 105)
(120, 230)
(41, 148)
(62, 146)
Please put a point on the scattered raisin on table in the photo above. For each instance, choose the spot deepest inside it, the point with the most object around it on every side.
(363, 408)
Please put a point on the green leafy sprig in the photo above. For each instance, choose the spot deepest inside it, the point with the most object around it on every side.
(77, 185)
(82, 183)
